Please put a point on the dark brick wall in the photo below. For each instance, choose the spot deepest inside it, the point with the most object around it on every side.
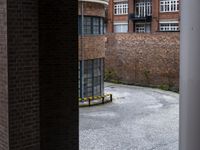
(23, 74)
(38, 75)
(144, 59)
(3, 78)
(58, 75)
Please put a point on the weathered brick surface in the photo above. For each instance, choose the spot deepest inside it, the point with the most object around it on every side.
(93, 46)
(3, 78)
(92, 9)
(145, 59)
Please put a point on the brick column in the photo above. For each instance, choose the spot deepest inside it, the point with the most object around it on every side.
(155, 15)
(36, 68)
(110, 17)
(130, 11)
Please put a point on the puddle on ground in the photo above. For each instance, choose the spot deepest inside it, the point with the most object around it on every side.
(155, 106)
(101, 114)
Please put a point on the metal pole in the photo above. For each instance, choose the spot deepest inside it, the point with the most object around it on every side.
(92, 79)
(189, 134)
(82, 52)
(145, 8)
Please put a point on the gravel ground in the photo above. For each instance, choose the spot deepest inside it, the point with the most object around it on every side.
(137, 119)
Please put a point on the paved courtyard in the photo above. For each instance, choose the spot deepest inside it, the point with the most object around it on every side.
(137, 119)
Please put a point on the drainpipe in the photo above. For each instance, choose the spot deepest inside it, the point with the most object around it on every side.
(82, 53)
(189, 134)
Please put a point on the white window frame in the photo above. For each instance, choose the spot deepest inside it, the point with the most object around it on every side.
(141, 27)
(142, 7)
(121, 8)
(169, 26)
(169, 5)
(121, 24)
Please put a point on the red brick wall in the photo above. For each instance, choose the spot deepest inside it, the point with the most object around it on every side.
(145, 59)
(121, 18)
(93, 46)
(131, 9)
(172, 15)
(110, 17)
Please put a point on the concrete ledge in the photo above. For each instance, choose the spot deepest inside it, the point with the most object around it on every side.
(96, 1)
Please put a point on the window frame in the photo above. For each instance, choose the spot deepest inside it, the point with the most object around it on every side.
(121, 8)
(121, 29)
(170, 26)
(89, 29)
(167, 5)
(144, 27)
(143, 9)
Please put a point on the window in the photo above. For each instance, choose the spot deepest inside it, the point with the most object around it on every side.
(96, 25)
(142, 27)
(87, 25)
(169, 26)
(120, 27)
(120, 8)
(92, 25)
(143, 9)
(169, 5)
(93, 77)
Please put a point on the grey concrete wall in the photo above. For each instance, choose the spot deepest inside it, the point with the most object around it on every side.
(190, 76)
(3, 77)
